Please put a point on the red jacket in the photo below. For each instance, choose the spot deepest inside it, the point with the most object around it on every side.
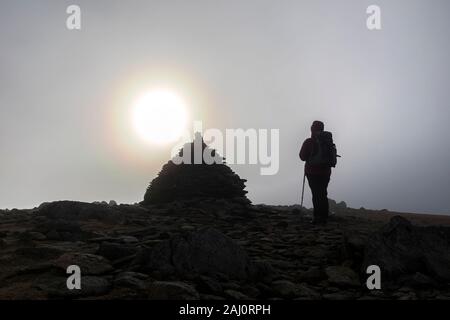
(305, 153)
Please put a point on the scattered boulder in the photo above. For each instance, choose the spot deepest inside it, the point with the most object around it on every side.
(32, 236)
(165, 290)
(89, 264)
(235, 295)
(337, 207)
(342, 276)
(418, 281)
(264, 271)
(209, 285)
(39, 253)
(206, 251)
(75, 210)
(401, 248)
(128, 239)
(94, 286)
(284, 288)
(306, 293)
(55, 236)
(55, 287)
(114, 251)
(62, 230)
(353, 247)
(313, 275)
(289, 290)
(132, 280)
(339, 296)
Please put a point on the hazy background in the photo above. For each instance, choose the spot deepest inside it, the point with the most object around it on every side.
(65, 95)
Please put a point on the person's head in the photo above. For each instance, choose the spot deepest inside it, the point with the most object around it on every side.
(317, 127)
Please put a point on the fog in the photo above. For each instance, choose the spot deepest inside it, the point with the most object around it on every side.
(65, 95)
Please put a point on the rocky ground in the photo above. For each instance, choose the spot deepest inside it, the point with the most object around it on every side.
(219, 249)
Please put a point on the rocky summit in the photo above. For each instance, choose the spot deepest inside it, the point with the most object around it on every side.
(219, 249)
(197, 236)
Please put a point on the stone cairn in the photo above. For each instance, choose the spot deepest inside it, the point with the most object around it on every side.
(196, 179)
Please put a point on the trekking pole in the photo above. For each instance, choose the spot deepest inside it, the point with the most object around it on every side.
(303, 190)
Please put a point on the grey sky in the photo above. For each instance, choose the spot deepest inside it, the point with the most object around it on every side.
(64, 95)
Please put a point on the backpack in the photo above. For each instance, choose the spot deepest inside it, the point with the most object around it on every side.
(324, 151)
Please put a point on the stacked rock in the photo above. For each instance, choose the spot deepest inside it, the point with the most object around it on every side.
(202, 173)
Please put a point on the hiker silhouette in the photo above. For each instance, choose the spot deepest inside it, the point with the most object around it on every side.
(319, 152)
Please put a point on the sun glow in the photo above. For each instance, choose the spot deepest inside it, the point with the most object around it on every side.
(159, 116)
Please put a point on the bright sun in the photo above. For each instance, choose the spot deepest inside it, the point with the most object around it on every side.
(159, 116)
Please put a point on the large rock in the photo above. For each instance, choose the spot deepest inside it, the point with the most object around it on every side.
(132, 280)
(55, 287)
(401, 248)
(206, 251)
(288, 290)
(75, 210)
(39, 253)
(284, 288)
(114, 251)
(89, 264)
(337, 207)
(58, 229)
(94, 286)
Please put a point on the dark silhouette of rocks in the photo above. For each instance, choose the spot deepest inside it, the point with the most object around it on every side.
(342, 276)
(404, 251)
(75, 210)
(90, 264)
(203, 252)
(190, 180)
(217, 249)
